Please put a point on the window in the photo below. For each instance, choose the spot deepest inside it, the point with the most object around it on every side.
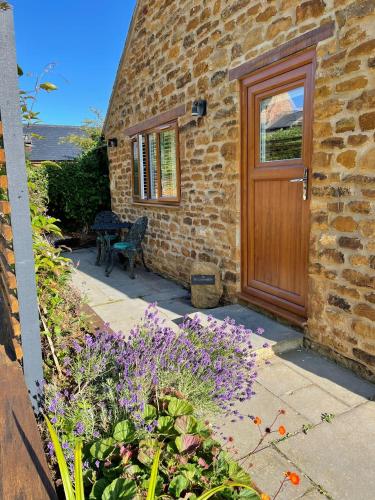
(156, 177)
(281, 120)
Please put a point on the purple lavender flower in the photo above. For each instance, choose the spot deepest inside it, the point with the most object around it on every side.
(79, 429)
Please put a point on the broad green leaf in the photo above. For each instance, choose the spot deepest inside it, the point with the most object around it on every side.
(63, 467)
(154, 476)
(190, 471)
(185, 424)
(165, 424)
(78, 476)
(178, 485)
(208, 444)
(98, 489)
(132, 470)
(237, 474)
(202, 429)
(179, 407)
(120, 489)
(19, 70)
(145, 456)
(102, 448)
(187, 442)
(211, 493)
(124, 432)
(149, 412)
(89, 475)
(112, 473)
(147, 449)
(48, 86)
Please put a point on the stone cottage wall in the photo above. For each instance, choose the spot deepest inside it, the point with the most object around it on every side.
(9, 324)
(181, 50)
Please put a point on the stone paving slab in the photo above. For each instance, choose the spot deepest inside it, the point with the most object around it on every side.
(338, 381)
(313, 495)
(339, 456)
(266, 406)
(267, 471)
(280, 379)
(312, 402)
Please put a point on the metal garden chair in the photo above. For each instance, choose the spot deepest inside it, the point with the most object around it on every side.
(130, 248)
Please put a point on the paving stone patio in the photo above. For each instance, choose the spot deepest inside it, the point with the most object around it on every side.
(335, 460)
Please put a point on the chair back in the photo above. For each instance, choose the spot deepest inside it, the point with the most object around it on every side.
(137, 231)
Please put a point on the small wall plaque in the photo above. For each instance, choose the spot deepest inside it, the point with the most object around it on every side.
(202, 279)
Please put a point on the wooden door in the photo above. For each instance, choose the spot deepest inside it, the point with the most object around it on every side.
(276, 157)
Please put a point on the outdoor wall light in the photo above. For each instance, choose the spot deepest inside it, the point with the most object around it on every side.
(112, 143)
(199, 108)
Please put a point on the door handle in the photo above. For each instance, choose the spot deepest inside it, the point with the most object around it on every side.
(299, 179)
(305, 180)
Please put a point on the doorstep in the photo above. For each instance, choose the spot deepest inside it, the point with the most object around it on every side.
(276, 339)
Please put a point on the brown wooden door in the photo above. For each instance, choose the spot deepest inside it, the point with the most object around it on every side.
(277, 122)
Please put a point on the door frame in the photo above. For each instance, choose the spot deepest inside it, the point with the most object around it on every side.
(288, 64)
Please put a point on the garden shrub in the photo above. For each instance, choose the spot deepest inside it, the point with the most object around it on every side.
(58, 302)
(79, 189)
(109, 378)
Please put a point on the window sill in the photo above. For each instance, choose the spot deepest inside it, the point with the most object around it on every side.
(176, 204)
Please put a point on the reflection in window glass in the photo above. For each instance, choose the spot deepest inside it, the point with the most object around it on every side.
(153, 167)
(281, 123)
(135, 169)
(142, 164)
(168, 164)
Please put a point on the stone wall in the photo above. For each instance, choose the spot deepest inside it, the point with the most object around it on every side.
(9, 324)
(182, 49)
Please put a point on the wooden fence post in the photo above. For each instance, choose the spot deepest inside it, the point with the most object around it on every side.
(20, 210)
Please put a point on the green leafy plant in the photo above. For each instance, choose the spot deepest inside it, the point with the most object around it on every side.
(92, 136)
(79, 189)
(63, 466)
(327, 417)
(208, 494)
(154, 477)
(166, 461)
(174, 454)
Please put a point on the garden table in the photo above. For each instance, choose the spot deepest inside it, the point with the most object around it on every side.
(106, 233)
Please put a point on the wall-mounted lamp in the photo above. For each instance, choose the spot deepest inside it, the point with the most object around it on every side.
(112, 143)
(199, 108)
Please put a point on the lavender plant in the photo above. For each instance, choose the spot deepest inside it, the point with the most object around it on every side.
(110, 377)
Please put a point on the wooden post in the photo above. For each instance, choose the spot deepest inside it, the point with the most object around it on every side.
(20, 210)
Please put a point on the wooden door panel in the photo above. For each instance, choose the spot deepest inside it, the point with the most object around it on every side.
(277, 124)
(277, 253)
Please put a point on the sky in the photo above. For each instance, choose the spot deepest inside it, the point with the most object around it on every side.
(83, 41)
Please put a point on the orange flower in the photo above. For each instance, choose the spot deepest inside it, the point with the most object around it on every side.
(293, 478)
(257, 420)
(282, 430)
(264, 496)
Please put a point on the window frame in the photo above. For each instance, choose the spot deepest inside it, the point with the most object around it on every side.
(160, 200)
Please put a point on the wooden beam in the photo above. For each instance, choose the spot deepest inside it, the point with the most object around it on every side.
(24, 471)
(156, 121)
(20, 217)
(302, 42)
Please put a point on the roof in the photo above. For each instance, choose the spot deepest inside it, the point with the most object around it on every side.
(50, 147)
(287, 121)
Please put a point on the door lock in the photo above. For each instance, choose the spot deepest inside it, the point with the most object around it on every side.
(304, 180)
